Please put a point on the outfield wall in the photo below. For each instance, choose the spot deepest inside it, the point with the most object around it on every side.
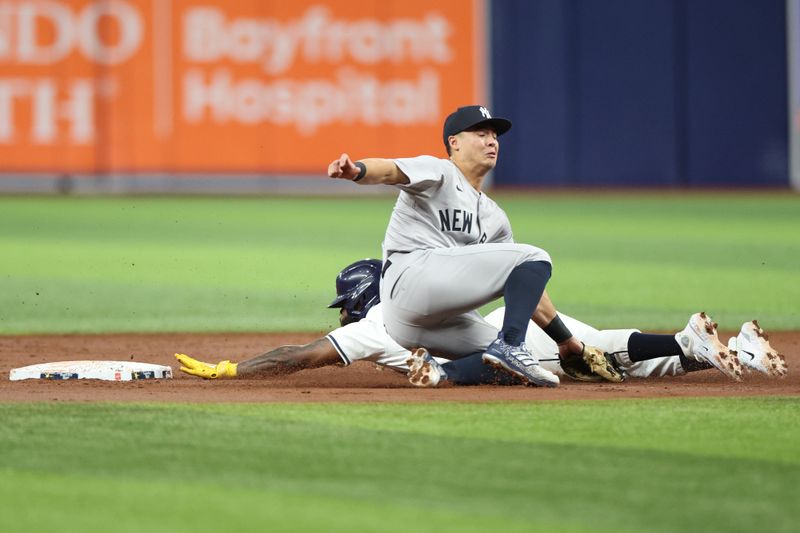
(222, 96)
(632, 92)
(229, 86)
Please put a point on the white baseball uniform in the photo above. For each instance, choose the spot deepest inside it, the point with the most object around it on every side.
(368, 340)
(448, 250)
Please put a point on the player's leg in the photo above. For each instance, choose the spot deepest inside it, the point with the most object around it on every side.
(453, 338)
(462, 339)
(471, 370)
(640, 354)
(424, 289)
(653, 354)
(701, 349)
(428, 371)
(432, 285)
(461, 336)
(522, 293)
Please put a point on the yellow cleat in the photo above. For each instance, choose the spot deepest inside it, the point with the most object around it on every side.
(193, 367)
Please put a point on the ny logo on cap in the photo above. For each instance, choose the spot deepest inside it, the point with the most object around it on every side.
(485, 112)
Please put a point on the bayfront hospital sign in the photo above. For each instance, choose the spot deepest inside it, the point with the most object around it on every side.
(230, 86)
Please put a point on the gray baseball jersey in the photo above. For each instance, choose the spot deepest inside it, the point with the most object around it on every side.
(440, 209)
(448, 250)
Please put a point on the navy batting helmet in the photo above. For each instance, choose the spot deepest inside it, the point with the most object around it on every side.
(357, 288)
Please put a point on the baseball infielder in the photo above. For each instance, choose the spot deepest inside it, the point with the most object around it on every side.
(449, 249)
(362, 336)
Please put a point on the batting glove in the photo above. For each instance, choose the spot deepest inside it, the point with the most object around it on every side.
(223, 369)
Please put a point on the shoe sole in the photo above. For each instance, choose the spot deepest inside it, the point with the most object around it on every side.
(420, 371)
(770, 362)
(723, 359)
(501, 366)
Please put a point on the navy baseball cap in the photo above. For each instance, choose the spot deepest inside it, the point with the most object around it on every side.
(471, 116)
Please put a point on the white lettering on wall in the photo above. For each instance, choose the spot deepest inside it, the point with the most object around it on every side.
(21, 23)
(9, 91)
(314, 37)
(46, 32)
(48, 109)
(310, 104)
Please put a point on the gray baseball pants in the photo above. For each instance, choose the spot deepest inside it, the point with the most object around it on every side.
(430, 296)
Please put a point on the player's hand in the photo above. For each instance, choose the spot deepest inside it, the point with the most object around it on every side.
(223, 369)
(343, 168)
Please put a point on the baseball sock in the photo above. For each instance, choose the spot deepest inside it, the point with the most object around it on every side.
(644, 346)
(524, 288)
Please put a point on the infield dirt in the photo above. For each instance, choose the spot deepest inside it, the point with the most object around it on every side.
(361, 382)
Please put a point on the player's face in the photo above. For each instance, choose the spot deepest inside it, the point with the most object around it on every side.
(343, 316)
(479, 146)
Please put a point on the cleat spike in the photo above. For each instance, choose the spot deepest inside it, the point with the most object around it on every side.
(424, 370)
(753, 341)
(701, 342)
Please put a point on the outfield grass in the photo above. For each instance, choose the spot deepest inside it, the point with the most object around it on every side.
(639, 465)
(267, 264)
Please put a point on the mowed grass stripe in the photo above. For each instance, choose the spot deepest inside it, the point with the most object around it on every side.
(268, 264)
(645, 465)
(743, 431)
(92, 504)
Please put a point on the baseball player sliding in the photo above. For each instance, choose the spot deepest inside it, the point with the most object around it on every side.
(362, 336)
(449, 249)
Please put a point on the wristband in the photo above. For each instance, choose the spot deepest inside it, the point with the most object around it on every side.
(362, 170)
(557, 331)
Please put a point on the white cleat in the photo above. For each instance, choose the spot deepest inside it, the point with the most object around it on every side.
(423, 370)
(755, 352)
(699, 341)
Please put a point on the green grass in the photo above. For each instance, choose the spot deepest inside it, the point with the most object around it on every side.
(261, 264)
(267, 264)
(639, 465)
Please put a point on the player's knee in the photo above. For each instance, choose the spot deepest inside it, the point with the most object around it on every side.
(541, 269)
(532, 253)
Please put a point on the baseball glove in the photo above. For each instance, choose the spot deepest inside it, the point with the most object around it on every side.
(592, 365)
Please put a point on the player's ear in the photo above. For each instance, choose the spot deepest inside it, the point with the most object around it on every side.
(454, 142)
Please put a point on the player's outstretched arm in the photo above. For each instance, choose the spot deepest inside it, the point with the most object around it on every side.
(289, 359)
(371, 171)
(280, 361)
